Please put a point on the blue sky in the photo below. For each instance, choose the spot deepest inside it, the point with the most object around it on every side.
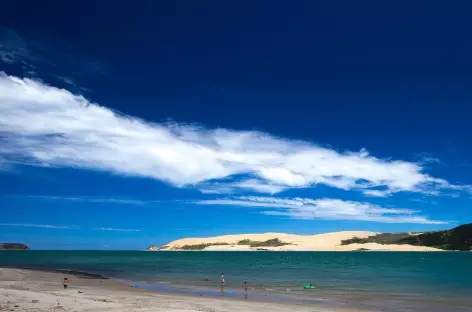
(123, 126)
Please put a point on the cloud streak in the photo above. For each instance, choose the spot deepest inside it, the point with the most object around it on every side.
(100, 200)
(68, 227)
(52, 58)
(42, 125)
(45, 226)
(13, 49)
(325, 209)
(118, 230)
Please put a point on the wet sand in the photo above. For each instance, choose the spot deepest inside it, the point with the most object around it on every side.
(41, 291)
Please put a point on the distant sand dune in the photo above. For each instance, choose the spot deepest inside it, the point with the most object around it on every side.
(320, 242)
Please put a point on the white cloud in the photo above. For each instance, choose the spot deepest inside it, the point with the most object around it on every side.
(46, 126)
(216, 188)
(376, 193)
(326, 209)
(260, 186)
(46, 226)
(117, 230)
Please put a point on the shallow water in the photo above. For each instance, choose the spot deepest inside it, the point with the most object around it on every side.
(388, 281)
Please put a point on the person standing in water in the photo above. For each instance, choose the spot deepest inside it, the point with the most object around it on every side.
(222, 284)
(222, 279)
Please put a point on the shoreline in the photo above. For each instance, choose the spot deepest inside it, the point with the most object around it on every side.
(231, 292)
(30, 289)
(75, 273)
(25, 289)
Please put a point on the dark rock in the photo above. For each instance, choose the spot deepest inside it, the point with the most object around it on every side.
(13, 246)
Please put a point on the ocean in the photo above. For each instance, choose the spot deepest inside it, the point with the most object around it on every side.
(386, 281)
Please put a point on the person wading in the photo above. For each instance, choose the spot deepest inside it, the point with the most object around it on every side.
(222, 284)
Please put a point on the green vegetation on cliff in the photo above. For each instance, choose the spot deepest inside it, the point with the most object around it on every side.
(275, 242)
(382, 238)
(459, 238)
(200, 246)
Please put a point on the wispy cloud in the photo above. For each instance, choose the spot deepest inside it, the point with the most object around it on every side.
(118, 230)
(69, 227)
(13, 49)
(46, 126)
(427, 159)
(425, 200)
(48, 58)
(249, 184)
(5, 165)
(45, 226)
(104, 200)
(326, 208)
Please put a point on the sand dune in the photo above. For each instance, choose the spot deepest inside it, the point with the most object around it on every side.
(320, 242)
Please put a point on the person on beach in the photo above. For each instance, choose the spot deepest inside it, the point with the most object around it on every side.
(65, 282)
(245, 290)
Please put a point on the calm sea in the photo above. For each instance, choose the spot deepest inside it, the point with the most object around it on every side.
(387, 281)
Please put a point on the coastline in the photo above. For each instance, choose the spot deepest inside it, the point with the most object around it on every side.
(41, 290)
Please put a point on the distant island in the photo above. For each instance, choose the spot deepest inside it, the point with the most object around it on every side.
(459, 238)
(13, 246)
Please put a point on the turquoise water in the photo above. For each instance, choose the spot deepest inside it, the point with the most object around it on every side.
(371, 278)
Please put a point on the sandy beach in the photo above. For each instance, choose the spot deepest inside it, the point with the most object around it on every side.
(40, 291)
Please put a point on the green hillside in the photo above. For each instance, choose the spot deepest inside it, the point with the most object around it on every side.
(459, 238)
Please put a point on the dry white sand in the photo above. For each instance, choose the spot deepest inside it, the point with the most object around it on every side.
(25, 290)
(320, 242)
